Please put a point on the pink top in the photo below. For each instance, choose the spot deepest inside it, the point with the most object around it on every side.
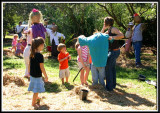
(14, 42)
(85, 53)
(19, 45)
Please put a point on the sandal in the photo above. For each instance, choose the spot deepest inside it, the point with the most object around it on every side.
(38, 101)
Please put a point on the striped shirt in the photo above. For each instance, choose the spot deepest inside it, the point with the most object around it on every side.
(85, 52)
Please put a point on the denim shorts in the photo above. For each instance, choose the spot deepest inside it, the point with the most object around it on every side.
(36, 85)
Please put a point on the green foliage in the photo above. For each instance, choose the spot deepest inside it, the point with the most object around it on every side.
(83, 18)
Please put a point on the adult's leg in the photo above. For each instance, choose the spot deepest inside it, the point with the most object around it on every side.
(137, 50)
(94, 72)
(116, 54)
(101, 71)
(53, 48)
(109, 71)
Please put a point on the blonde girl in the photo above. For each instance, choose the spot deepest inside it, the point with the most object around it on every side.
(36, 29)
(36, 69)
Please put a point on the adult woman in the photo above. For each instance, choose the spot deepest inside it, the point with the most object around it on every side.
(113, 52)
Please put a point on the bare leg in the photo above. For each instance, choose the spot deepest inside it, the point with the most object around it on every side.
(86, 76)
(82, 76)
(62, 80)
(35, 97)
(67, 79)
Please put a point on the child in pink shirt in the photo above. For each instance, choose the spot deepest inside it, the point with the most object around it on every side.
(14, 42)
(83, 62)
(18, 50)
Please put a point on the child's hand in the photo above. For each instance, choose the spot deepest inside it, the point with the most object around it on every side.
(46, 79)
(69, 57)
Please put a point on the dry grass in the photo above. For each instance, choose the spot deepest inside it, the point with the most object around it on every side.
(16, 97)
(64, 98)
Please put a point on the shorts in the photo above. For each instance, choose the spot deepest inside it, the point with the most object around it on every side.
(64, 73)
(80, 64)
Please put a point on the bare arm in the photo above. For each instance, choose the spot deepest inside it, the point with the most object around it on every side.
(118, 32)
(64, 58)
(44, 71)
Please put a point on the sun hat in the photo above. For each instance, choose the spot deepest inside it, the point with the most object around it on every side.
(130, 23)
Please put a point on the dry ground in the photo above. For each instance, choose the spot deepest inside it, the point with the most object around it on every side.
(16, 96)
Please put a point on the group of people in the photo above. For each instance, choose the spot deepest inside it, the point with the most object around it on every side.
(97, 52)
(18, 44)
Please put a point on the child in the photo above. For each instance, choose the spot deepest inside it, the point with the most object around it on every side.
(14, 41)
(24, 43)
(63, 58)
(36, 69)
(36, 29)
(83, 62)
(18, 50)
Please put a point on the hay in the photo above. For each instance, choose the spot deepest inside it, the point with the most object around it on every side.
(9, 79)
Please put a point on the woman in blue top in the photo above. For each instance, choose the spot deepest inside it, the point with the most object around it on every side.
(98, 48)
(113, 53)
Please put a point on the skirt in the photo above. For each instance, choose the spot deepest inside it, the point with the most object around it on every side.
(36, 85)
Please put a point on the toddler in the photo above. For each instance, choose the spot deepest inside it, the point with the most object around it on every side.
(24, 43)
(18, 50)
(63, 58)
(14, 41)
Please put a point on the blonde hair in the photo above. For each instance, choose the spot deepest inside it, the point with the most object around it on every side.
(15, 35)
(35, 17)
(60, 46)
(35, 44)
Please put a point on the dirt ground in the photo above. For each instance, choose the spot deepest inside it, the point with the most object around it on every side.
(16, 97)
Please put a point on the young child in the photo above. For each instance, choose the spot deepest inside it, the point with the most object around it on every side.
(14, 41)
(83, 62)
(36, 29)
(63, 58)
(24, 43)
(18, 50)
(36, 69)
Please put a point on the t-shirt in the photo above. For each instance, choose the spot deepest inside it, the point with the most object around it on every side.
(35, 70)
(14, 42)
(19, 45)
(19, 28)
(98, 48)
(38, 30)
(64, 63)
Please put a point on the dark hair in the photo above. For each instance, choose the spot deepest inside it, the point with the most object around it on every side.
(35, 44)
(60, 46)
(109, 21)
(76, 45)
(20, 22)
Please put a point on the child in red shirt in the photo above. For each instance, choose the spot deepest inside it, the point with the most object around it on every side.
(63, 58)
